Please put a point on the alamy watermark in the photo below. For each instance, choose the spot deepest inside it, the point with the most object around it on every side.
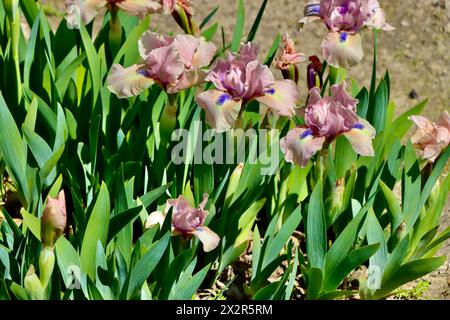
(231, 147)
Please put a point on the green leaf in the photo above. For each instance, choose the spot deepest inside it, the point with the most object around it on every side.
(363, 103)
(429, 185)
(316, 232)
(350, 262)
(209, 17)
(375, 235)
(409, 272)
(145, 266)
(29, 56)
(209, 33)
(129, 48)
(280, 240)
(93, 61)
(70, 265)
(314, 283)
(13, 150)
(254, 29)
(394, 209)
(120, 220)
(33, 223)
(150, 197)
(342, 245)
(96, 229)
(378, 111)
(395, 259)
(189, 285)
(238, 28)
(272, 51)
(402, 124)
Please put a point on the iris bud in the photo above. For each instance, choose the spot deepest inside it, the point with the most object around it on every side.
(53, 220)
(32, 285)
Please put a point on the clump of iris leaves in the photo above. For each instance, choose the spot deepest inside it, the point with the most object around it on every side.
(61, 128)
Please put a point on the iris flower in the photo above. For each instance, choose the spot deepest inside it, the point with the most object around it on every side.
(87, 10)
(187, 221)
(326, 119)
(344, 19)
(239, 79)
(172, 62)
(431, 138)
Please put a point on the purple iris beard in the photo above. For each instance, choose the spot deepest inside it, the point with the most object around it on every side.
(343, 36)
(358, 126)
(270, 91)
(306, 134)
(223, 98)
(144, 72)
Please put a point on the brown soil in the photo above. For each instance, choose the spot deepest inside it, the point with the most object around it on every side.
(416, 55)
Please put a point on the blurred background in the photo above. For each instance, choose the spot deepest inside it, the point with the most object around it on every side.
(416, 55)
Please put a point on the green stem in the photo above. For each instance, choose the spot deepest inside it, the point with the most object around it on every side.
(337, 75)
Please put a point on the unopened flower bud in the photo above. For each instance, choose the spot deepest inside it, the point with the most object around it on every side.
(46, 265)
(334, 204)
(53, 220)
(33, 285)
(183, 14)
(314, 73)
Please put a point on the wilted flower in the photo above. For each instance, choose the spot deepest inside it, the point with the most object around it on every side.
(172, 62)
(182, 11)
(242, 78)
(431, 138)
(88, 9)
(327, 118)
(53, 220)
(344, 19)
(288, 60)
(187, 221)
(171, 5)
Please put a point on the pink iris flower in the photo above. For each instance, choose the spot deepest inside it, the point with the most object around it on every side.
(242, 78)
(174, 63)
(431, 138)
(344, 19)
(54, 219)
(327, 118)
(187, 221)
(87, 10)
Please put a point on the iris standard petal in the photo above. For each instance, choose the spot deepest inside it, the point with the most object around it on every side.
(221, 109)
(204, 54)
(281, 97)
(127, 82)
(300, 145)
(150, 41)
(342, 49)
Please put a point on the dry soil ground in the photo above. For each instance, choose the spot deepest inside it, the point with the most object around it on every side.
(416, 54)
